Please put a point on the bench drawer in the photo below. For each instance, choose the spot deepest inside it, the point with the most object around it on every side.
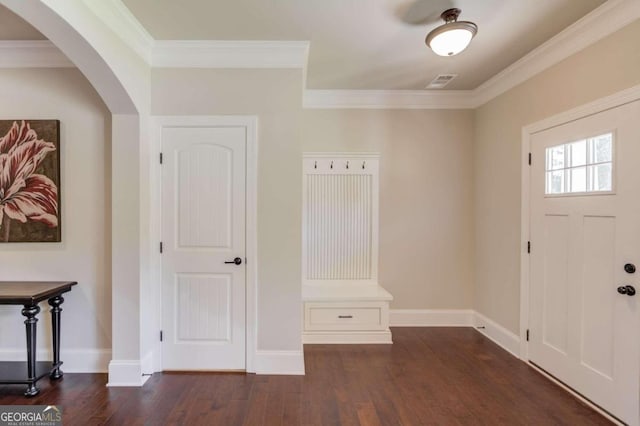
(345, 317)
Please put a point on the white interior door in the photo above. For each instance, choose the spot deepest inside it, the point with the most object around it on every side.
(203, 229)
(585, 227)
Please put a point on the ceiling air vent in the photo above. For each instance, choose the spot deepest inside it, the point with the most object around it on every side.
(440, 81)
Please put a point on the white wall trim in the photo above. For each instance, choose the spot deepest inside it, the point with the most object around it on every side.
(147, 363)
(596, 25)
(608, 102)
(250, 123)
(388, 99)
(457, 318)
(126, 373)
(229, 54)
(504, 338)
(74, 360)
(279, 362)
(431, 318)
(32, 54)
(347, 337)
(617, 99)
(119, 18)
(601, 22)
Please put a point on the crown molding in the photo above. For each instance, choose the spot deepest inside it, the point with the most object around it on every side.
(387, 99)
(596, 25)
(119, 18)
(32, 54)
(230, 54)
(601, 22)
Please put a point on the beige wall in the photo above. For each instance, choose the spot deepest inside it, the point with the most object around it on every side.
(608, 66)
(426, 214)
(84, 255)
(275, 97)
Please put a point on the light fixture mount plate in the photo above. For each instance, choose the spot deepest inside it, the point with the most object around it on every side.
(450, 15)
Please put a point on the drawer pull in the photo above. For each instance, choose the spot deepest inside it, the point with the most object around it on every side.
(345, 316)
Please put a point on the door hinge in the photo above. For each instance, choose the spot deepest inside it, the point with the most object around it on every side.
(527, 334)
(161, 158)
(528, 246)
(161, 335)
(160, 246)
(529, 158)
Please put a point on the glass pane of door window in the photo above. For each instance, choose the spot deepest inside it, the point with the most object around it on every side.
(578, 153)
(581, 166)
(555, 182)
(579, 179)
(555, 158)
(602, 148)
(601, 177)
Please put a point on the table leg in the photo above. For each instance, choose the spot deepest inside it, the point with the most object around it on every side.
(30, 311)
(55, 303)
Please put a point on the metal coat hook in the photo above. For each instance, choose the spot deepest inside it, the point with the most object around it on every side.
(363, 163)
(332, 164)
(347, 165)
(315, 164)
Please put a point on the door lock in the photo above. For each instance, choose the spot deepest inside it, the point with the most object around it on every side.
(629, 290)
(237, 261)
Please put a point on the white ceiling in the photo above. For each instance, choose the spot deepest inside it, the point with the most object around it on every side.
(368, 44)
(360, 44)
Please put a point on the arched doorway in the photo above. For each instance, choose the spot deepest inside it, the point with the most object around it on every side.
(121, 78)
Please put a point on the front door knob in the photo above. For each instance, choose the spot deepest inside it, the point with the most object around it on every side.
(629, 290)
(237, 261)
(630, 268)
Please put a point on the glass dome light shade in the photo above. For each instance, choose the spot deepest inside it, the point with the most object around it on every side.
(451, 38)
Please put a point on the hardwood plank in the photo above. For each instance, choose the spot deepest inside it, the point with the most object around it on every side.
(443, 376)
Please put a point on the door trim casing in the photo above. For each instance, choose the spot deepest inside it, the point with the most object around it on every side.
(609, 102)
(250, 123)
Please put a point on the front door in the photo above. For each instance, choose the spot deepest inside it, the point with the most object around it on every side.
(203, 228)
(585, 237)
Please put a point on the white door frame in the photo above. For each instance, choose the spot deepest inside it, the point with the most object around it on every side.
(250, 123)
(602, 104)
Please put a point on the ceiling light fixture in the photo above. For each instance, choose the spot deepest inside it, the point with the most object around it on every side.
(453, 36)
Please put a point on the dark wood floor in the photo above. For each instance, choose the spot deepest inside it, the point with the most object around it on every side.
(429, 376)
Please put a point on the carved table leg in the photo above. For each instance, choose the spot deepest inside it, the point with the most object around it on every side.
(55, 303)
(30, 312)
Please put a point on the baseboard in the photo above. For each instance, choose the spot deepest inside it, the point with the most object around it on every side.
(501, 336)
(346, 337)
(279, 362)
(456, 318)
(431, 317)
(146, 364)
(75, 360)
(126, 373)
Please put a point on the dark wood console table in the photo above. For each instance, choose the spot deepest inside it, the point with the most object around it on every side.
(29, 294)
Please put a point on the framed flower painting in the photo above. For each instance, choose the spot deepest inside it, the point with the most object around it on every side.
(29, 181)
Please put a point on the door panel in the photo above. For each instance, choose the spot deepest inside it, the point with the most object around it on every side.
(203, 226)
(583, 331)
(205, 190)
(209, 318)
(556, 291)
(598, 300)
